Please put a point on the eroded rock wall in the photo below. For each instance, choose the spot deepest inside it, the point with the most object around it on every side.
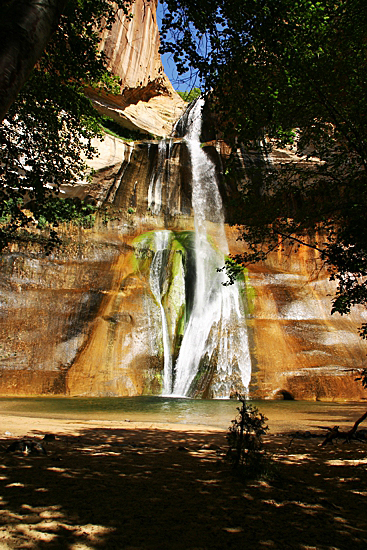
(81, 321)
(147, 102)
(298, 348)
(84, 321)
(47, 308)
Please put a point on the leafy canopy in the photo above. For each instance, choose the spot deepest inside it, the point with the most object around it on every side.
(49, 128)
(289, 74)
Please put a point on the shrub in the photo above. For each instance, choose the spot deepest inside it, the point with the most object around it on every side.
(57, 210)
(244, 437)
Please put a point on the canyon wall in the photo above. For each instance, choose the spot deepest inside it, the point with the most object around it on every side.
(84, 321)
(147, 102)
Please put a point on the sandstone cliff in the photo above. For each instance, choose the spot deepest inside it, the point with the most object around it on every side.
(147, 102)
(85, 322)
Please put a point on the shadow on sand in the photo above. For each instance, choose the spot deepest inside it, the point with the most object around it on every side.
(162, 489)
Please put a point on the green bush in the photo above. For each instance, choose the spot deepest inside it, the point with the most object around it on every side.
(244, 437)
(57, 210)
(7, 207)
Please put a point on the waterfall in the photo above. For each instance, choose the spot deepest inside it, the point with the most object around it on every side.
(157, 278)
(155, 184)
(203, 321)
(216, 333)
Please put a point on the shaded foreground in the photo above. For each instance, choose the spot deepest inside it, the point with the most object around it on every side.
(162, 487)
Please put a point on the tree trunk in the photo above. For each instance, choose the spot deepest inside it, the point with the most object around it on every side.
(25, 29)
(351, 432)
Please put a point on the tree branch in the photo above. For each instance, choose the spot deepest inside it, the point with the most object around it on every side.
(290, 237)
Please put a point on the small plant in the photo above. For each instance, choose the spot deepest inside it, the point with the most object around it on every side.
(245, 439)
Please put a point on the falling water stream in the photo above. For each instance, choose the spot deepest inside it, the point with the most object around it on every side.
(216, 331)
(200, 315)
(156, 271)
(155, 184)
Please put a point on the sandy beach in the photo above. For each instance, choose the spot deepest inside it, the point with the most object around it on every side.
(161, 486)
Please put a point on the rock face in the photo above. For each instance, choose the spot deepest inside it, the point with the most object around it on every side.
(299, 349)
(147, 103)
(87, 320)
